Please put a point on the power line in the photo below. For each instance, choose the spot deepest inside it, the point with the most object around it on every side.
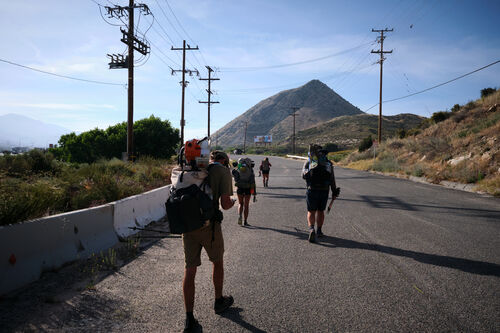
(63, 76)
(436, 86)
(192, 40)
(244, 69)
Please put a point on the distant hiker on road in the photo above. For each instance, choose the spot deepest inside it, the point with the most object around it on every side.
(244, 179)
(210, 238)
(319, 176)
(265, 166)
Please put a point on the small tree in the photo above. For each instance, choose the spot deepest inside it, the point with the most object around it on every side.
(487, 91)
(455, 108)
(366, 143)
(440, 116)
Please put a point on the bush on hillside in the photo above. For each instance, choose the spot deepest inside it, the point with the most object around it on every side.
(440, 116)
(366, 143)
(455, 108)
(487, 91)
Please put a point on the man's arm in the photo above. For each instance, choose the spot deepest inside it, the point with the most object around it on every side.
(333, 185)
(226, 202)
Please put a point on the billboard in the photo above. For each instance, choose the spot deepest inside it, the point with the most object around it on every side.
(263, 139)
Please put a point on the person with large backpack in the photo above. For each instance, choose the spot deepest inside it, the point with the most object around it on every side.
(265, 167)
(209, 237)
(244, 179)
(320, 178)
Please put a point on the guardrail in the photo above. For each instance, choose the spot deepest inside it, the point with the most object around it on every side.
(29, 248)
(297, 157)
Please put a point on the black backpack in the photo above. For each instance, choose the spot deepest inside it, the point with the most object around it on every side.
(189, 208)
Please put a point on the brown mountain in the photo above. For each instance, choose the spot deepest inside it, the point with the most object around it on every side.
(317, 104)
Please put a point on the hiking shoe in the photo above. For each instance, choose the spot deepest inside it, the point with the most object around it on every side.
(191, 326)
(320, 233)
(223, 304)
(245, 223)
(239, 220)
(312, 236)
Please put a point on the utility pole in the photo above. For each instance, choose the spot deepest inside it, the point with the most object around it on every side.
(381, 62)
(245, 140)
(210, 79)
(294, 109)
(117, 61)
(184, 83)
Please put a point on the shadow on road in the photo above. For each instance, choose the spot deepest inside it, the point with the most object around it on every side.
(234, 315)
(386, 202)
(465, 265)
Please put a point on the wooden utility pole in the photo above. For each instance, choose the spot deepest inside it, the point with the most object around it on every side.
(117, 61)
(245, 140)
(381, 62)
(130, 113)
(184, 82)
(294, 109)
(209, 79)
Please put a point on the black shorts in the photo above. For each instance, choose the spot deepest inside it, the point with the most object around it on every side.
(265, 172)
(316, 199)
(243, 191)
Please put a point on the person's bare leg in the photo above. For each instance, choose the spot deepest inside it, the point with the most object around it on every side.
(311, 217)
(218, 278)
(240, 204)
(188, 288)
(247, 204)
(320, 217)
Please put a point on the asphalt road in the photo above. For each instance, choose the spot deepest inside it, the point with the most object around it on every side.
(398, 256)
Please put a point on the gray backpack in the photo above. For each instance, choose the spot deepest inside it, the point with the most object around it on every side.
(243, 175)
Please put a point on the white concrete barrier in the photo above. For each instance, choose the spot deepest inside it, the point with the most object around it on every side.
(29, 248)
(297, 157)
(139, 210)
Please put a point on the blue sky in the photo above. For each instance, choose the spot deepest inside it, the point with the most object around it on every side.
(432, 42)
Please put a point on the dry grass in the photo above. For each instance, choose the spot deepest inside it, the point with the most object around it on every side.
(463, 148)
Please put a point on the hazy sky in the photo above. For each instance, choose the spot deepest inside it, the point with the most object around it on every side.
(432, 42)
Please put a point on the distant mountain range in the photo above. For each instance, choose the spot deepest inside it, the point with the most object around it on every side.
(21, 131)
(317, 104)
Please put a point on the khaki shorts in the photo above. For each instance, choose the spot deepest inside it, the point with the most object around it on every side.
(202, 238)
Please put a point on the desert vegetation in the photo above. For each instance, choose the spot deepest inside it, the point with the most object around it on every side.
(461, 145)
(36, 184)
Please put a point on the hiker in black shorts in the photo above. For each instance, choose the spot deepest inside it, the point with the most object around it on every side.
(244, 179)
(265, 166)
(320, 178)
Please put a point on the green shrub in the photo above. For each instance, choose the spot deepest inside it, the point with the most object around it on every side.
(440, 116)
(487, 91)
(366, 143)
(455, 108)
(386, 163)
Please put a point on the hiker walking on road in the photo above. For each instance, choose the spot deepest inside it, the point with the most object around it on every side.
(210, 238)
(244, 179)
(265, 166)
(320, 178)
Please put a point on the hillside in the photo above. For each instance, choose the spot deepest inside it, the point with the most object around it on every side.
(463, 148)
(317, 102)
(348, 131)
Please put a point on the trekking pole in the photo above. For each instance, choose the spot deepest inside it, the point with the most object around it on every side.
(330, 205)
(334, 196)
(153, 230)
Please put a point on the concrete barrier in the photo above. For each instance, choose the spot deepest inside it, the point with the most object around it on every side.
(139, 210)
(296, 157)
(29, 248)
